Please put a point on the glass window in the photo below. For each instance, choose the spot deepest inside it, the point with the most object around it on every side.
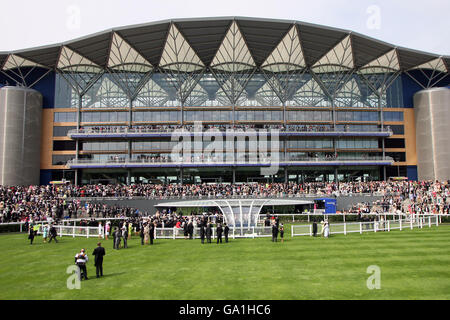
(64, 145)
(61, 131)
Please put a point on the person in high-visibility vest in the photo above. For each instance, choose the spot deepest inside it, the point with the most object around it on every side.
(130, 229)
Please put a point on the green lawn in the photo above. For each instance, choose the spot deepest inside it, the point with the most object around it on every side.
(415, 264)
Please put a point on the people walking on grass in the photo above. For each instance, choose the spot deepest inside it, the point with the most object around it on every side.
(31, 234)
(107, 229)
(219, 231)
(117, 235)
(314, 228)
(282, 232)
(152, 231)
(326, 229)
(53, 234)
(125, 236)
(100, 229)
(142, 234)
(226, 231)
(274, 232)
(44, 233)
(191, 230)
(208, 232)
(130, 230)
(146, 233)
(202, 233)
(185, 229)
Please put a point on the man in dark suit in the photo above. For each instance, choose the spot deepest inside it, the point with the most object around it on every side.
(219, 231)
(31, 234)
(152, 232)
(202, 233)
(190, 230)
(208, 233)
(274, 232)
(141, 233)
(53, 234)
(314, 228)
(226, 230)
(125, 236)
(99, 252)
(117, 235)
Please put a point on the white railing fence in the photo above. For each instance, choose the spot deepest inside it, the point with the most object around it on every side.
(162, 233)
(372, 226)
(248, 232)
(76, 231)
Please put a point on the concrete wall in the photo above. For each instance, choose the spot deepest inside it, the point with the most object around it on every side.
(20, 135)
(432, 119)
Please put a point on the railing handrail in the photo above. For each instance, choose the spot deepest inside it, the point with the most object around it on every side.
(212, 161)
(126, 130)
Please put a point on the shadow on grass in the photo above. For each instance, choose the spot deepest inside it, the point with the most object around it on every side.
(109, 275)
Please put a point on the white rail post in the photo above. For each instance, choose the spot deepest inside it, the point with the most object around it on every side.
(174, 233)
(360, 228)
(429, 222)
(73, 231)
(310, 231)
(375, 225)
(400, 220)
(389, 226)
(345, 229)
(411, 222)
(437, 222)
(21, 226)
(292, 231)
(440, 219)
(421, 222)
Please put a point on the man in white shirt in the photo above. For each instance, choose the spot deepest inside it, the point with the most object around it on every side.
(80, 260)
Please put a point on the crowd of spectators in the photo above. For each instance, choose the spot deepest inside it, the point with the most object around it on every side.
(70, 201)
(222, 128)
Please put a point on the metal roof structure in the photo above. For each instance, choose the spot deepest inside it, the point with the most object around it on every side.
(233, 50)
(237, 212)
(203, 37)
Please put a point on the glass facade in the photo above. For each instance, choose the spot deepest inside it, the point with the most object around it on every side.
(232, 90)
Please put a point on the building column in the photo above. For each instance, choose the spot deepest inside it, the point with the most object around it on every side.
(76, 177)
(128, 177)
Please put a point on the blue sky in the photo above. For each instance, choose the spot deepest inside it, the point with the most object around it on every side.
(416, 24)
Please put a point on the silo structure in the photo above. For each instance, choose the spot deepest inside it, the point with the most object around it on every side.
(432, 120)
(20, 135)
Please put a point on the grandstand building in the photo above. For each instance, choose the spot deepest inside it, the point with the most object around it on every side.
(103, 108)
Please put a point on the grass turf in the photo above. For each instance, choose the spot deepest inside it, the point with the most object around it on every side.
(414, 265)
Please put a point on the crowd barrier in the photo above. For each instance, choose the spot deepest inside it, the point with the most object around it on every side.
(371, 226)
(162, 233)
(76, 231)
